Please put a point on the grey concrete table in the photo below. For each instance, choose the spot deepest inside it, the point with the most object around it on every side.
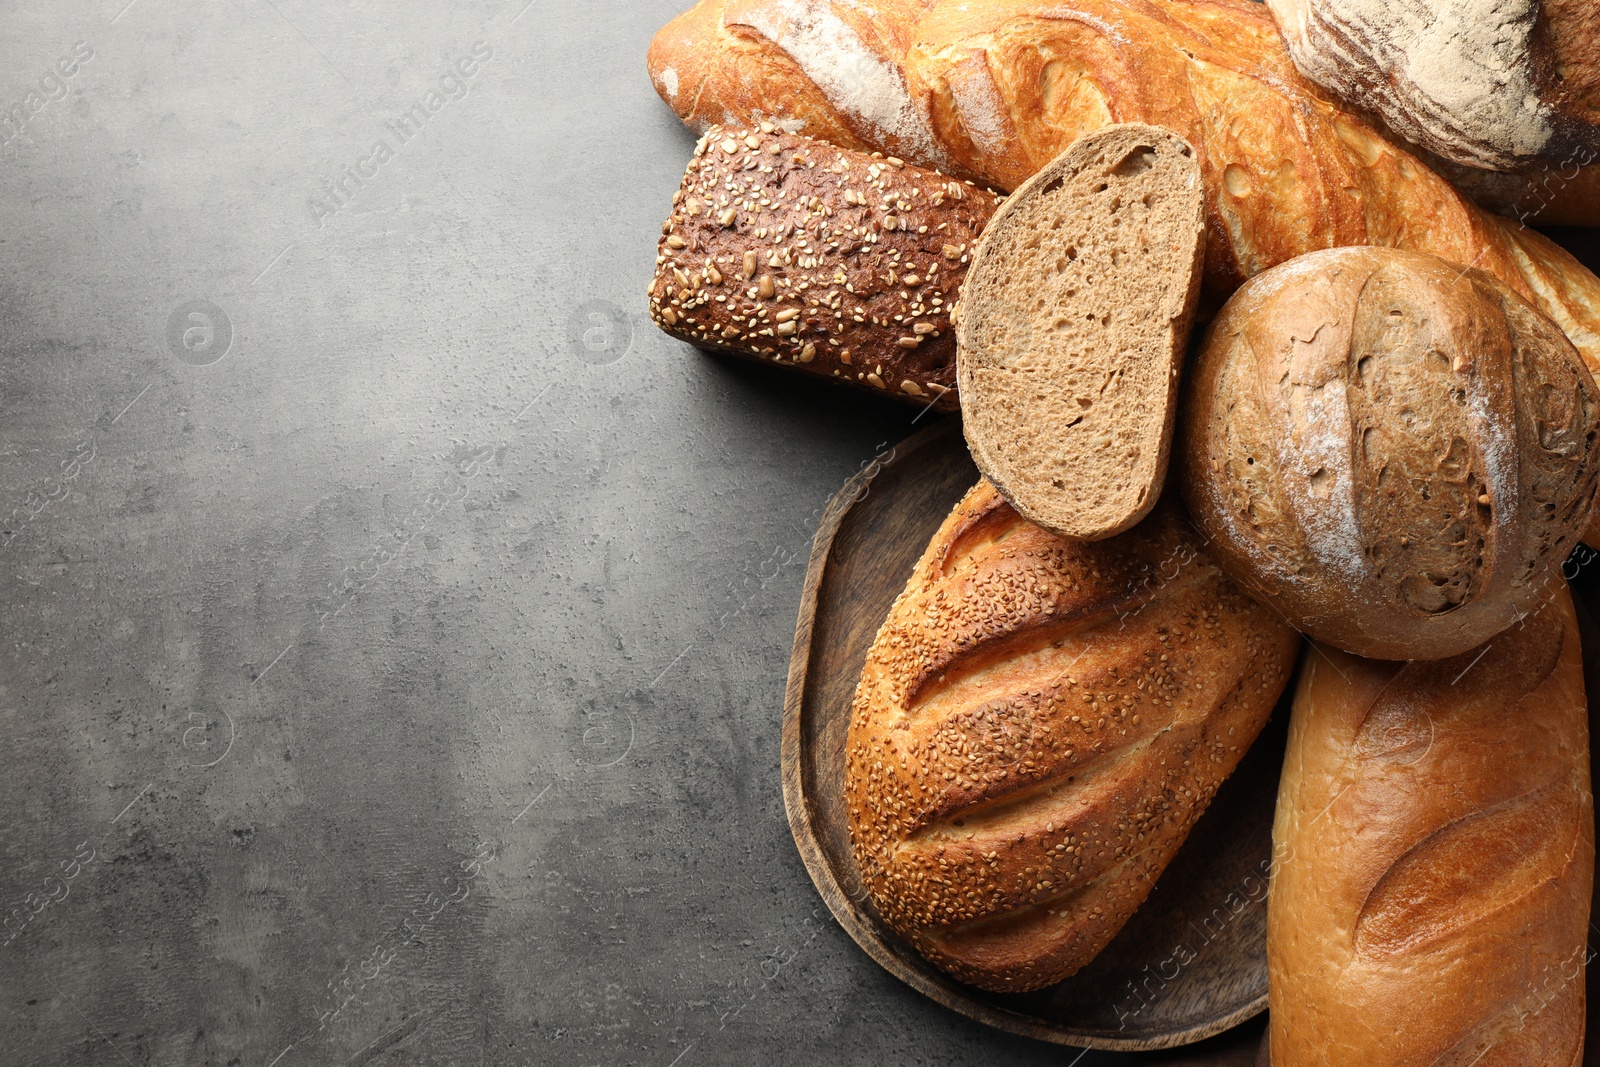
(395, 622)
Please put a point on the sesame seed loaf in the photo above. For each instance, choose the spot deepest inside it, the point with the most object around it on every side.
(1038, 726)
(847, 265)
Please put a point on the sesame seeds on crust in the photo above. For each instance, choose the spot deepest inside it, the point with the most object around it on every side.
(790, 250)
(1037, 728)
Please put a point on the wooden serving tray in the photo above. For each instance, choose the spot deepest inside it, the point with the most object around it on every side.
(1192, 961)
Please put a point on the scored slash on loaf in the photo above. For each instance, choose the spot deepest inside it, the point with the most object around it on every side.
(1434, 850)
(842, 264)
(1391, 450)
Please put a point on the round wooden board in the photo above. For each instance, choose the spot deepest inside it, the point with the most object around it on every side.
(1191, 962)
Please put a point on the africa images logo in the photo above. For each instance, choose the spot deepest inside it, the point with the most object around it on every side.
(52, 86)
(199, 332)
(454, 83)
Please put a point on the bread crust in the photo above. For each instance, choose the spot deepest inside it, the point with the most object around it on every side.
(1391, 450)
(1564, 194)
(1005, 85)
(1495, 84)
(1571, 33)
(1434, 857)
(1038, 725)
(789, 250)
(827, 70)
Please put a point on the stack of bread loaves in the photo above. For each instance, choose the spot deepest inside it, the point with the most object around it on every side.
(1397, 453)
(1387, 440)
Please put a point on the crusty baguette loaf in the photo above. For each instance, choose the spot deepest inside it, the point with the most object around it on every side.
(1038, 726)
(1074, 323)
(830, 70)
(1391, 450)
(1434, 855)
(846, 265)
(995, 89)
(1496, 84)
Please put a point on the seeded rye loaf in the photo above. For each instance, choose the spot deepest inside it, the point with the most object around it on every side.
(1038, 726)
(1074, 324)
(847, 265)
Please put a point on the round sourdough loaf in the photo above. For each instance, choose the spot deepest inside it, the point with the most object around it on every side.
(1390, 449)
(1496, 84)
(1039, 724)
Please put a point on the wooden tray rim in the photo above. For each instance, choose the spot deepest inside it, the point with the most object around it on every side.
(796, 806)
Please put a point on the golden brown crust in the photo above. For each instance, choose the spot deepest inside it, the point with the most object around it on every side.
(1434, 857)
(1391, 450)
(787, 249)
(764, 48)
(994, 89)
(1571, 30)
(1038, 726)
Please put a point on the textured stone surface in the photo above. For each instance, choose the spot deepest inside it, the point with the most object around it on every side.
(392, 674)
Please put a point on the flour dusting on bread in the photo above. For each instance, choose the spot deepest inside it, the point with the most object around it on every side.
(853, 77)
(983, 115)
(1455, 76)
(1401, 486)
(1321, 492)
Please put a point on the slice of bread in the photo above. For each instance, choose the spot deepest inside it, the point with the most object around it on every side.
(1073, 324)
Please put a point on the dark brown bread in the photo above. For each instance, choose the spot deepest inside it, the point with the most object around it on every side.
(1571, 30)
(1434, 854)
(1038, 726)
(847, 265)
(1392, 450)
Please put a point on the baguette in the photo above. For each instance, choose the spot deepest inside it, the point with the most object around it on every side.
(994, 89)
(786, 249)
(1038, 726)
(1434, 857)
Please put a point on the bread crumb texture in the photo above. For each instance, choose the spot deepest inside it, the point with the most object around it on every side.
(1074, 323)
(1392, 450)
(1038, 725)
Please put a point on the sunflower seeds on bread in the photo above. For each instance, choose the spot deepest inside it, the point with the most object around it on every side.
(792, 251)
